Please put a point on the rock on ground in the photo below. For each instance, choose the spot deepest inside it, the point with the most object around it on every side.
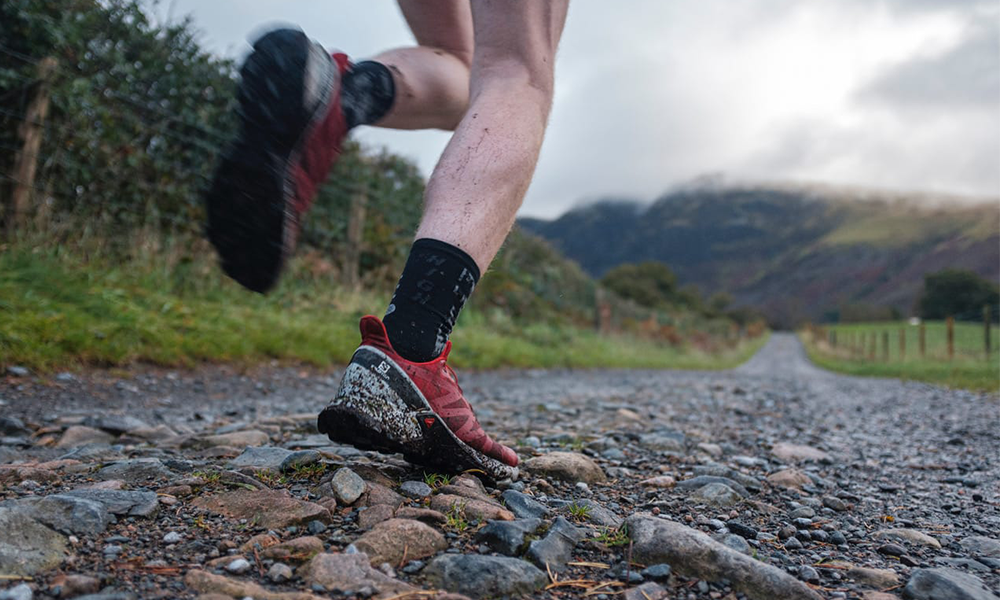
(390, 541)
(566, 466)
(692, 553)
(266, 508)
(480, 576)
(26, 546)
(945, 584)
(350, 572)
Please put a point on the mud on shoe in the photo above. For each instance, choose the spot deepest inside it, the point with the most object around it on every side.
(291, 126)
(388, 404)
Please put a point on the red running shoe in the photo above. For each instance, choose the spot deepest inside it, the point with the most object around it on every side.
(390, 404)
(291, 127)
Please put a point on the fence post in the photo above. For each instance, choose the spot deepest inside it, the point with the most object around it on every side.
(885, 346)
(923, 339)
(30, 134)
(950, 323)
(872, 345)
(902, 344)
(833, 338)
(986, 329)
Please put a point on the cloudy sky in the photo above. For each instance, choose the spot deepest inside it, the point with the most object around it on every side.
(894, 94)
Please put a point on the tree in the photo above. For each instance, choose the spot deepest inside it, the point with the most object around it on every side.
(957, 293)
(650, 284)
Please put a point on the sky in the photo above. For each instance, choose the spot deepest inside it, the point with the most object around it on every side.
(651, 94)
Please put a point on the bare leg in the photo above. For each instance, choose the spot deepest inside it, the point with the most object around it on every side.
(432, 80)
(480, 181)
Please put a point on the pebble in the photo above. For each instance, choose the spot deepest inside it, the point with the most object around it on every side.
(347, 485)
(415, 489)
(484, 576)
(279, 572)
(172, 538)
(21, 591)
(238, 566)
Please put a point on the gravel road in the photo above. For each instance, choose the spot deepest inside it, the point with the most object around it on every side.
(773, 480)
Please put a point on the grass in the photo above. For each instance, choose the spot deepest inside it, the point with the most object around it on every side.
(58, 311)
(579, 512)
(612, 537)
(970, 368)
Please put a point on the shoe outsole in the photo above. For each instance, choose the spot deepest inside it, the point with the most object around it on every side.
(378, 408)
(248, 202)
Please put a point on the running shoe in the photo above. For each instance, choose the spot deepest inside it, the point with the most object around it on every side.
(291, 127)
(389, 404)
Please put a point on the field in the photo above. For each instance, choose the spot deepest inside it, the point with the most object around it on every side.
(851, 352)
(60, 312)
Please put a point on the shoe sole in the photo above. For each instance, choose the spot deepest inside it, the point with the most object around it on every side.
(283, 94)
(379, 408)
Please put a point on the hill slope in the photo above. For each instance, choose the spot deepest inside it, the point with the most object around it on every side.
(796, 253)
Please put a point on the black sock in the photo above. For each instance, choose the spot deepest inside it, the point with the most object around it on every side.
(366, 93)
(437, 280)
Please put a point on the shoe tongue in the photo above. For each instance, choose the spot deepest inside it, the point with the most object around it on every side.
(372, 328)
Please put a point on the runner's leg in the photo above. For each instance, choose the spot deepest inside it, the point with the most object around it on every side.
(480, 181)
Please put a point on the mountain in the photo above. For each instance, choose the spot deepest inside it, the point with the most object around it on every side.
(794, 252)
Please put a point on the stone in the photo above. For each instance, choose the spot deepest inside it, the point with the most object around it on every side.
(13, 427)
(350, 572)
(26, 546)
(834, 503)
(135, 470)
(378, 493)
(480, 576)
(390, 541)
(703, 480)
(736, 542)
(238, 566)
(121, 502)
(160, 433)
(943, 583)
(15, 474)
(876, 578)
(373, 515)
(556, 548)
(261, 458)
(347, 486)
(566, 466)
(795, 453)
(596, 513)
(891, 550)
(299, 459)
(694, 554)
(979, 545)
(297, 550)
(647, 591)
(115, 424)
(789, 479)
(259, 542)
(908, 535)
(471, 510)
(208, 583)
(421, 514)
(21, 591)
(713, 450)
(507, 537)
(661, 481)
(524, 506)
(279, 573)
(660, 572)
(716, 494)
(17, 371)
(236, 439)
(270, 509)
(663, 441)
(66, 514)
(172, 538)
(415, 489)
(79, 435)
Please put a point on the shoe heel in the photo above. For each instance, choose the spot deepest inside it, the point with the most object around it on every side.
(366, 406)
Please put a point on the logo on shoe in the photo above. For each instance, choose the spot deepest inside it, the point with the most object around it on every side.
(383, 369)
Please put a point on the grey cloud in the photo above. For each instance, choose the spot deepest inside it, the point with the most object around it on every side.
(967, 75)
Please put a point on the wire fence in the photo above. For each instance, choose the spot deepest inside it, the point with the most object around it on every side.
(956, 338)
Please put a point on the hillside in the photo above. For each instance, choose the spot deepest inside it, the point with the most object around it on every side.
(797, 253)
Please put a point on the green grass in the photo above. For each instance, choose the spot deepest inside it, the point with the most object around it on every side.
(58, 311)
(970, 368)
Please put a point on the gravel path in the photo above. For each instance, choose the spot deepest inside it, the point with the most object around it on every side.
(774, 480)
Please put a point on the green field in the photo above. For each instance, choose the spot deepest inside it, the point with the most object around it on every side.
(58, 312)
(851, 352)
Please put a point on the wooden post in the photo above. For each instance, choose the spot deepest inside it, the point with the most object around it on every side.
(950, 322)
(902, 344)
(351, 274)
(872, 346)
(30, 135)
(987, 323)
(885, 346)
(833, 338)
(923, 340)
